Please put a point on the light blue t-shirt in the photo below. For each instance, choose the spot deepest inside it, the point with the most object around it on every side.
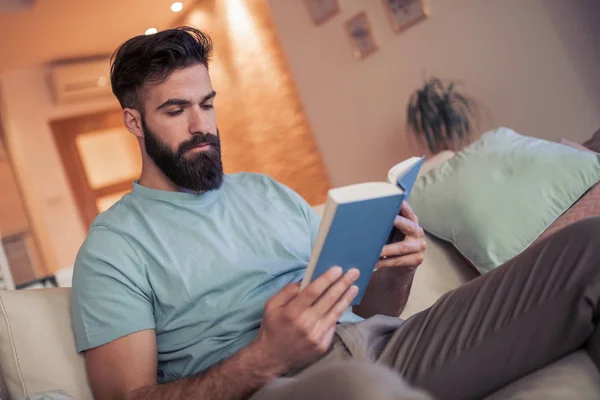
(196, 268)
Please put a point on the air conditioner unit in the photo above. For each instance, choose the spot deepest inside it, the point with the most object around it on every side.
(81, 80)
(15, 5)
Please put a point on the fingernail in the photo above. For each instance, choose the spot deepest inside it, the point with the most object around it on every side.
(354, 273)
(354, 290)
(336, 271)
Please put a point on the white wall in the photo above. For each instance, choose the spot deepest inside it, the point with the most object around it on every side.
(27, 108)
(533, 65)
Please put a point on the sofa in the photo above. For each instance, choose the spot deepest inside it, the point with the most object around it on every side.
(37, 349)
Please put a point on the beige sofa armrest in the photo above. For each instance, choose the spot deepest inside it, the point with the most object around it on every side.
(443, 270)
(37, 347)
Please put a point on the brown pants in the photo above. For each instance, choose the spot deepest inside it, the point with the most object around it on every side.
(474, 340)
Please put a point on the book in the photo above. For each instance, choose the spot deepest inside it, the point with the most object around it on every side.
(358, 220)
(405, 175)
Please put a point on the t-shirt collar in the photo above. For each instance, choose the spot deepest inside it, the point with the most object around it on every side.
(165, 195)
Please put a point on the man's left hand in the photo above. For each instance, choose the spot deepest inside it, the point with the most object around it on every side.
(409, 252)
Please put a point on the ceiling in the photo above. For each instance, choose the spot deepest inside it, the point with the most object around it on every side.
(54, 30)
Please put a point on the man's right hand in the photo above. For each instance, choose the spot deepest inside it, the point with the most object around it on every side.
(298, 326)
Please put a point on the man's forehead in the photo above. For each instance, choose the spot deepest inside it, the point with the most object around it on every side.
(188, 83)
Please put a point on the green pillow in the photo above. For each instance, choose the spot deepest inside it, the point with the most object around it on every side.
(494, 198)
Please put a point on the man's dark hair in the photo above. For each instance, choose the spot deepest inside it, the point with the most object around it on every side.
(152, 58)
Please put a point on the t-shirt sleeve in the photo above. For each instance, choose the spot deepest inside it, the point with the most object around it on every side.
(111, 295)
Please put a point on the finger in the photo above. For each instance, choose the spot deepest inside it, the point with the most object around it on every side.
(328, 337)
(408, 227)
(407, 246)
(408, 212)
(284, 296)
(334, 293)
(315, 289)
(410, 260)
(340, 307)
(323, 335)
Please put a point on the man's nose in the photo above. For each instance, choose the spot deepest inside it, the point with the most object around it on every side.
(198, 123)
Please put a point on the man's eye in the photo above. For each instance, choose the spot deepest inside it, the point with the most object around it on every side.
(207, 106)
(174, 113)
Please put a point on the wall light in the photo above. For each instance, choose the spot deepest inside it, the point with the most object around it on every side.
(151, 31)
(177, 6)
(102, 81)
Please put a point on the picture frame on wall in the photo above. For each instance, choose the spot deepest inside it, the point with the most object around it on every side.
(405, 13)
(361, 36)
(321, 11)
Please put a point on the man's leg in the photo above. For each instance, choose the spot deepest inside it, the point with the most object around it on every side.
(522, 316)
(348, 380)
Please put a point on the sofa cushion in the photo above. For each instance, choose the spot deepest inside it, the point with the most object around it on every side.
(443, 269)
(574, 376)
(494, 198)
(37, 347)
(587, 206)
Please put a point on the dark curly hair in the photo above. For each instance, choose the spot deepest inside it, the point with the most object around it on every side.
(152, 58)
(441, 116)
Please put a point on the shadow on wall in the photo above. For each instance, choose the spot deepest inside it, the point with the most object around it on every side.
(579, 34)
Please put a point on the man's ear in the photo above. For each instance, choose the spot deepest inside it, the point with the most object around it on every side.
(133, 122)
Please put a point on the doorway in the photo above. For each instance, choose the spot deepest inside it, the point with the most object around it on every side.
(101, 160)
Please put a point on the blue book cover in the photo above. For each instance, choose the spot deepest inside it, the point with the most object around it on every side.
(356, 225)
(407, 179)
(404, 175)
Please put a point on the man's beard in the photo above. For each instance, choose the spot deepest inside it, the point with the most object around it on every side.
(199, 172)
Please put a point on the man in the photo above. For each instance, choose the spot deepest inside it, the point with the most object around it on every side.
(188, 288)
